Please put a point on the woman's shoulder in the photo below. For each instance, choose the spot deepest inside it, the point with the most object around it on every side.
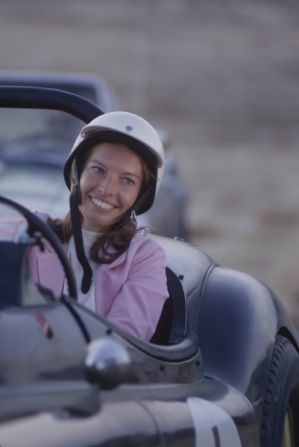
(143, 242)
(141, 237)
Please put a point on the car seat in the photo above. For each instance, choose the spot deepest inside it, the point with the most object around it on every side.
(171, 327)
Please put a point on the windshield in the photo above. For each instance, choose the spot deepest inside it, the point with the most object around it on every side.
(36, 136)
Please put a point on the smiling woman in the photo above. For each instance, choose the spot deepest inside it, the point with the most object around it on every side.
(110, 183)
(112, 172)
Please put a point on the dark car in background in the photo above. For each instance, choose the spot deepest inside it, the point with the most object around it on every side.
(34, 144)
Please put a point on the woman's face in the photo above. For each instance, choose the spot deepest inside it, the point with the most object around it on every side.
(110, 183)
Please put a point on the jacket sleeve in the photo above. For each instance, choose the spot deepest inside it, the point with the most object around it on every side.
(139, 302)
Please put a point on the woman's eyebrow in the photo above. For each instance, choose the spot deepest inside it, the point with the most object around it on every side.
(94, 160)
(131, 174)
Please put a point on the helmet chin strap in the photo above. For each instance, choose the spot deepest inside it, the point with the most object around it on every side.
(77, 232)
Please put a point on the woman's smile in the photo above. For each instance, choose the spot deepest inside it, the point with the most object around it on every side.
(103, 205)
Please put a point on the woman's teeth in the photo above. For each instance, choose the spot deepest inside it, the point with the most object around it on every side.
(101, 204)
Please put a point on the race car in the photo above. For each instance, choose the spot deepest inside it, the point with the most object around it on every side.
(222, 369)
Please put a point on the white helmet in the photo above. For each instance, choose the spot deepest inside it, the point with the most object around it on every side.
(125, 128)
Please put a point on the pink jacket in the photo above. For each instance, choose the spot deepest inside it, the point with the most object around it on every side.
(129, 292)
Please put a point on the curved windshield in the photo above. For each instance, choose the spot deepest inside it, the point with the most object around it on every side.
(29, 136)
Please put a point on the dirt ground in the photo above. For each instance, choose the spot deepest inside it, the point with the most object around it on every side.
(222, 78)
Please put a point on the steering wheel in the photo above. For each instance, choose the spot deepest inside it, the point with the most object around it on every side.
(37, 229)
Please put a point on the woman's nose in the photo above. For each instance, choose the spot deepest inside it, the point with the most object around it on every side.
(107, 185)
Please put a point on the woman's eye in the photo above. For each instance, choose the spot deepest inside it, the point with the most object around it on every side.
(128, 181)
(97, 169)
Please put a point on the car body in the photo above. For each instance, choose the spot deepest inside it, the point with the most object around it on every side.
(45, 139)
(222, 369)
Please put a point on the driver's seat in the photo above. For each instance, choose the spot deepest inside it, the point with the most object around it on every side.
(171, 327)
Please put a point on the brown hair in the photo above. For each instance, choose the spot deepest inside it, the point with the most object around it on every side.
(115, 241)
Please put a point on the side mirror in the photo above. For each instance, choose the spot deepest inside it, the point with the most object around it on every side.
(107, 363)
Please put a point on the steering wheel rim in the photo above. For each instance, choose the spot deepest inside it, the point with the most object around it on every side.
(36, 224)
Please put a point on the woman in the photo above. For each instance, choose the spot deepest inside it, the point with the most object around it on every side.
(112, 172)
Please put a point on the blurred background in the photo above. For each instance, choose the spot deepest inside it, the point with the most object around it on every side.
(222, 79)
